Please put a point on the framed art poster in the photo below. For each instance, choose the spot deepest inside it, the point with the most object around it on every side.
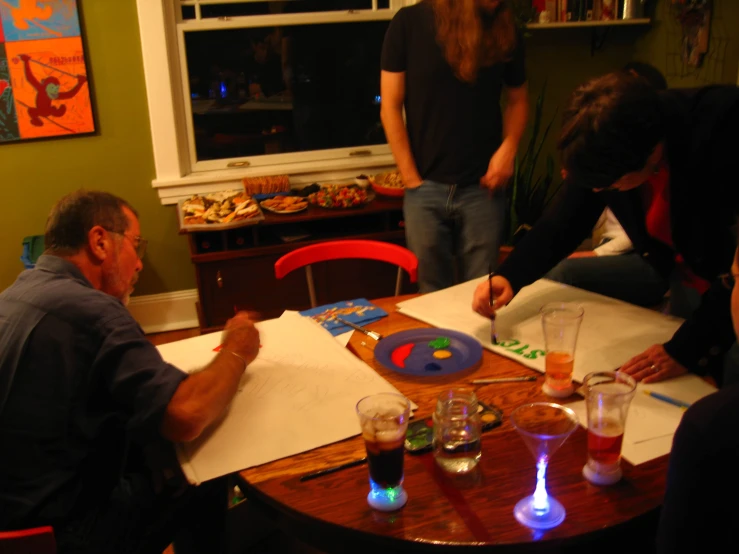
(44, 91)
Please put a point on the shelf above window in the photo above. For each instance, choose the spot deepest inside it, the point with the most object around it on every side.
(606, 23)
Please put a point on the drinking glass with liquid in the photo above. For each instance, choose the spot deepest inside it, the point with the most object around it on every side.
(608, 395)
(384, 421)
(457, 430)
(560, 322)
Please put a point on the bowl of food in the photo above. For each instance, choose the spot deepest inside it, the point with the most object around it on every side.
(284, 204)
(340, 197)
(389, 184)
(362, 181)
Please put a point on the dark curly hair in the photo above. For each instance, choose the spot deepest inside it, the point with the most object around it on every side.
(610, 127)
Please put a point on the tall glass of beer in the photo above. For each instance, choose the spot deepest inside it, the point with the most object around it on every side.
(384, 421)
(560, 322)
(608, 396)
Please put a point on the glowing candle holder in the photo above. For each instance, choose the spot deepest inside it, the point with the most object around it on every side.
(544, 427)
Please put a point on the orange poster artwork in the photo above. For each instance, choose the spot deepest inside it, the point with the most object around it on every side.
(49, 80)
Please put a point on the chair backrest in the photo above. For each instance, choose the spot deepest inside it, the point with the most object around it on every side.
(347, 249)
(39, 540)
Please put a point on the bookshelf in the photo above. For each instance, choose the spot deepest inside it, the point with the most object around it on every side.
(606, 23)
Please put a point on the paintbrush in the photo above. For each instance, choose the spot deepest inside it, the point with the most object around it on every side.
(493, 329)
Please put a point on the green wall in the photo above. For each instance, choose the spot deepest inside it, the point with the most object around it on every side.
(119, 159)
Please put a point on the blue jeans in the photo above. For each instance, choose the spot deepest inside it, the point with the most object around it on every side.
(443, 221)
(626, 277)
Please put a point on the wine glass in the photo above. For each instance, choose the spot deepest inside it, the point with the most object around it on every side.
(544, 427)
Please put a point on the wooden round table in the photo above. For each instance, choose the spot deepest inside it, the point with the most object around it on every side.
(444, 512)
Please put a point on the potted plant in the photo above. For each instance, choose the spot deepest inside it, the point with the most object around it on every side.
(531, 192)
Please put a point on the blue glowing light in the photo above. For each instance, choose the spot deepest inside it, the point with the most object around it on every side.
(386, 499)
(541, 498)
(224, 90)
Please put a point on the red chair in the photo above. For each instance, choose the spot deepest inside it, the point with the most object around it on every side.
(39, 540)
(347, 249)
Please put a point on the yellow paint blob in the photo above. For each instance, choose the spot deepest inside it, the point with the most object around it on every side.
(442, 354)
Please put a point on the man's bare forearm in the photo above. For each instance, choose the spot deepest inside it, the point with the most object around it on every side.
(397, 138)
(201, 398)
(515, 117)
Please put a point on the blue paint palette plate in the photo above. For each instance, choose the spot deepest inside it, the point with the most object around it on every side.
(412, 352)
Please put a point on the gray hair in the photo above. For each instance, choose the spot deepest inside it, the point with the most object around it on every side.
(75, 214)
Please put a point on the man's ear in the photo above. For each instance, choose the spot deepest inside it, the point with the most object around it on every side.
(99, 242)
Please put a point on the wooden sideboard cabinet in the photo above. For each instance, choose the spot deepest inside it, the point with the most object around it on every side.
(235, 267)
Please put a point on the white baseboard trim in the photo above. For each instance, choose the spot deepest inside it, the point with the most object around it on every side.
(168, 311)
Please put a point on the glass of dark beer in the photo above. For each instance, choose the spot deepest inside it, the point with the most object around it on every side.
(384, 421)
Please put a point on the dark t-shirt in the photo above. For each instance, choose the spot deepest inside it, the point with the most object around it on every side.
(78, 378)
(698, 514)
(453, 127)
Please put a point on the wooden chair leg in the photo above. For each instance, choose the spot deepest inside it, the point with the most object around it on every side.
(311, 286)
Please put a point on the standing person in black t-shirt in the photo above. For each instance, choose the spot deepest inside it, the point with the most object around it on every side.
(446, 62)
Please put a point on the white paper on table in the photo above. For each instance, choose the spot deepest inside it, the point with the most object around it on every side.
(651, 423)
(299, 394)
(611, 332)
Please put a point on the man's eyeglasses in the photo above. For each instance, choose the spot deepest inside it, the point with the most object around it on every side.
(138, 243)
(728, 279)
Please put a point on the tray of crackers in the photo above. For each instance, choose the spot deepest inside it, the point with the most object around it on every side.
(284, 204)
(388, 184)
(218, 210)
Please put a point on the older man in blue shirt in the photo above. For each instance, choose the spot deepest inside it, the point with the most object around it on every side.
(83, 394)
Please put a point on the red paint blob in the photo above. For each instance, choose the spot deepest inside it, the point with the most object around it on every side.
(400, 354)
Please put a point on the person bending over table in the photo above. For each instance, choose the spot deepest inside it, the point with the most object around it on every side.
(611, 267)
(446, 62)
(86, 401)
(698, 514)
(664, 162)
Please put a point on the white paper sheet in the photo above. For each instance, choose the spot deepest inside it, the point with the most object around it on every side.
(611, 332)
(299, 394)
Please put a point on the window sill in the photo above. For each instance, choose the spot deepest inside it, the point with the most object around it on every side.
(170, 190)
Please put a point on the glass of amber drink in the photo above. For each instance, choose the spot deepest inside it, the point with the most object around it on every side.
(608, 395)
(560, 322)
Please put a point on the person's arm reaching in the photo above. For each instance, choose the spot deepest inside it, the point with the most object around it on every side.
(201, 398)
(515, 117)
(392, 90)
(564, 225)
(706, 335)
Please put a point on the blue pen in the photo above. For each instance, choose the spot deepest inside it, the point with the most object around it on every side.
(669, 400)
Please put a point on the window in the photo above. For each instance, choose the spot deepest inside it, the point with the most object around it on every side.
(281, 89)
(262, 87)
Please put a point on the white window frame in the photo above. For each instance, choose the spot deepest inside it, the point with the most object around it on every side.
(162, 34)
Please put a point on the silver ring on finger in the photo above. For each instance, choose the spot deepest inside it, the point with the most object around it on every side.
(653, 369)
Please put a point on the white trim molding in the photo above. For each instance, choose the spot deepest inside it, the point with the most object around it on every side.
(176, 176)
(168, 311)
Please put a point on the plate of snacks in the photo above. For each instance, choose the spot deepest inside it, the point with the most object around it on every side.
(284, 204)
(389, 184)
(218, 210)
(340, 197)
